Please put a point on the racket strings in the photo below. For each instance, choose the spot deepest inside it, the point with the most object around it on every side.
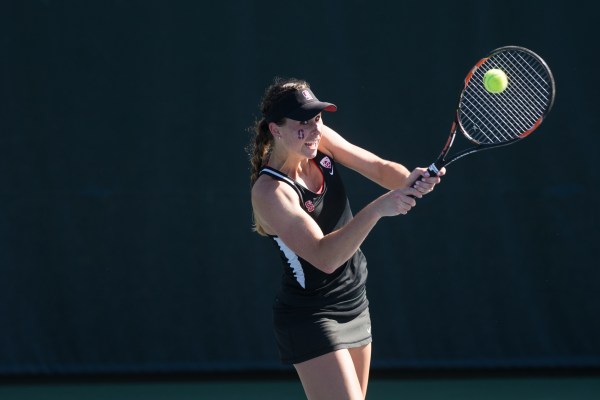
(527, 93)
(513, 115)
(532, 79)
(520, 106)
(502, 117)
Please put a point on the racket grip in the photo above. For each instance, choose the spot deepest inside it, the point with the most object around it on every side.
(433, 171)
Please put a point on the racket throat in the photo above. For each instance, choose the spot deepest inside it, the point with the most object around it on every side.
(434, 168)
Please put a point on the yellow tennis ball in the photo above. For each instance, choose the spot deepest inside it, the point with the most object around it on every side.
(495, 81)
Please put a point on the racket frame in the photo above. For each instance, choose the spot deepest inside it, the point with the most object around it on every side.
(442, 161)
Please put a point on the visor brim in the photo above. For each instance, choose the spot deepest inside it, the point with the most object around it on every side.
(310, 110)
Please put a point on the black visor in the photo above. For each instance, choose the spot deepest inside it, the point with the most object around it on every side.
(299, 105)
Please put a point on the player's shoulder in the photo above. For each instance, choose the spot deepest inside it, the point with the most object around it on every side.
(268, 189)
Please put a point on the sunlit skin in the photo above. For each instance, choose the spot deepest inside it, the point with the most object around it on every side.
(296, 143)
(342, 373)
(276, 205)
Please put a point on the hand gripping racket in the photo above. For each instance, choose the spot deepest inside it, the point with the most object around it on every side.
(490, 120)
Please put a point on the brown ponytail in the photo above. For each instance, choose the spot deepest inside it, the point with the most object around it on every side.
(261, 144)
(259, 148)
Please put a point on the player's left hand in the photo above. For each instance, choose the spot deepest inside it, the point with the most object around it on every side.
(423, 182)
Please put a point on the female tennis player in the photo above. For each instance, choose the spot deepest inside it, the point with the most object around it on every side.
(321, 314)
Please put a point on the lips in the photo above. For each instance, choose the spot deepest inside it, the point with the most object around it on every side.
(316, 138)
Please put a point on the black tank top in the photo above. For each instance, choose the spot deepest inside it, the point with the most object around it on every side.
(305, 288)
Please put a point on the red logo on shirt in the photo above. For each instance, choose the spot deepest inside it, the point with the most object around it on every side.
(326, 162)
(309, 206)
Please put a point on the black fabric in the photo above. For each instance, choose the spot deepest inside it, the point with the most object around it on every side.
(302, 340)
(305, 290)
(299, 105)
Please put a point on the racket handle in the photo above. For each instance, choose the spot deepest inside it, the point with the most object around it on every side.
(433, 171)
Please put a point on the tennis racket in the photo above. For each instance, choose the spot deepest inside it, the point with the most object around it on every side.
(489, 120)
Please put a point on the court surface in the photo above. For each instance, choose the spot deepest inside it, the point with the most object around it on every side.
(491, 388)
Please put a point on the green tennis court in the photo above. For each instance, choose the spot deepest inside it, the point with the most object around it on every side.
(490, 388)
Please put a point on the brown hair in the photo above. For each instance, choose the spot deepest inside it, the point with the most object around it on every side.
(261, 144)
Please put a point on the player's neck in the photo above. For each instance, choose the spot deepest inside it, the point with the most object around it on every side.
(288, 164)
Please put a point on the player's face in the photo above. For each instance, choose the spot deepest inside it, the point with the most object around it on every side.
(302, 137)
